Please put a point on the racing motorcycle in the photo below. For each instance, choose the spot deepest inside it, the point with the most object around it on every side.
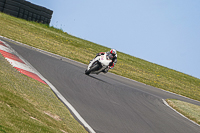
(99, 63)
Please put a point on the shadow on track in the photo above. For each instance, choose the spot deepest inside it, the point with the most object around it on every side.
(97, 79)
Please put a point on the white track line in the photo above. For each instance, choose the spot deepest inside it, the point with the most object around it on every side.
(58, 94)
(42, 51)
(179, 113)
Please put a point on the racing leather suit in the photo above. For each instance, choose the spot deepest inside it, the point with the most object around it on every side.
(112, 64)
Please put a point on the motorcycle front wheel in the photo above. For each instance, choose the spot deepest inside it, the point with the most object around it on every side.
(87, 72)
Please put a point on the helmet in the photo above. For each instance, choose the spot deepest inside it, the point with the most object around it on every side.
(113, 52)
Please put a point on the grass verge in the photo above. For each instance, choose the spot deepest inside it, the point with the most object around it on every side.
(59, 42)
(56, 41)
(191, 111)
(27, 105)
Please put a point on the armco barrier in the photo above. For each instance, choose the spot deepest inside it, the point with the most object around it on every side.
(26, 10)
(2, 3)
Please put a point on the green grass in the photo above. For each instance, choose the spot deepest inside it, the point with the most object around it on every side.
(56, 41)
(189, 110)
(27, 105)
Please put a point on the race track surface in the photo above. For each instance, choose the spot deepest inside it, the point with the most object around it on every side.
(110, 103)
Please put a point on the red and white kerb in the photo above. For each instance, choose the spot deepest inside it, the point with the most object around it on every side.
(17, 63)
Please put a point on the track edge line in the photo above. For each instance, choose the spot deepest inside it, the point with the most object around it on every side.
(164, 101)
(56, 92)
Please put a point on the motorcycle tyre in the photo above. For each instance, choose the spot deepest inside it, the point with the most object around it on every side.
(87, 72)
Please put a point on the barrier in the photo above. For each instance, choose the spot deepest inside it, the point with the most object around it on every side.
(26, 10)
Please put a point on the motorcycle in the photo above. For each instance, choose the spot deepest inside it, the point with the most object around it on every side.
(99, 64)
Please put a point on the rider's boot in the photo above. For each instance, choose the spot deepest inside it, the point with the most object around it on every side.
(105, 70)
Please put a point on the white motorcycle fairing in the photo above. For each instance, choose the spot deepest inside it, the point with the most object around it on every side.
(98, 64)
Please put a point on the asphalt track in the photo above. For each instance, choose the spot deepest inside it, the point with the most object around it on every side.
(109, 103)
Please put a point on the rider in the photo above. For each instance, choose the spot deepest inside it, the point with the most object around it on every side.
(114, 59)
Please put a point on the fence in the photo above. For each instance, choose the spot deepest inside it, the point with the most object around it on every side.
(26, 10)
